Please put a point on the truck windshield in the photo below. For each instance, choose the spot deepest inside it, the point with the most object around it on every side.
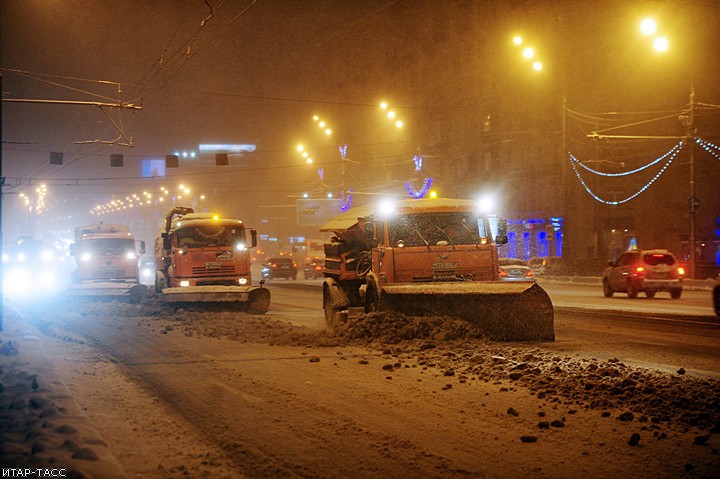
(210, 235)
(110, 246)
(436, 228)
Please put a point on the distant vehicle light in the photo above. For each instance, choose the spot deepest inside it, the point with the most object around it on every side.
(5, 258)
(47, 256)
(147, 272)
(242, 281)
(184, 283)
(130, 255)
(503, 273)
(681, 271)
(21, 257)
(241, 247)
(86, 257)
(639, 269)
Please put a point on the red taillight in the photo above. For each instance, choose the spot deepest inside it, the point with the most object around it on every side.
(529, 272)
(681, 271)
(318, 268)
(503, 272)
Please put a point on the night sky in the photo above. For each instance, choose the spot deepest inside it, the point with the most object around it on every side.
(255, 72)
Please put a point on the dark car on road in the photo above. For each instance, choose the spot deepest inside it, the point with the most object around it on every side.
(314, 268)
(716, 296)
(647, 271)
(280, 267)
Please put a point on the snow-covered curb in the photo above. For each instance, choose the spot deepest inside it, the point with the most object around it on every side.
(42, 426)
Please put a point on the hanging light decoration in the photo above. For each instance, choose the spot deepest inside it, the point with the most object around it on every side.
(575, 163)
(418, 186)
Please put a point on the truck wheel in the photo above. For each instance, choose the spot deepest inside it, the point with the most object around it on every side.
(259, 301)
(138, 293)
(607, 290)
(631, 291)
(650, 294)
(676, 293)
(160, 281)
(332, 314)
(372, 298)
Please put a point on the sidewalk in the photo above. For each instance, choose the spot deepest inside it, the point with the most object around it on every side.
(44, 432)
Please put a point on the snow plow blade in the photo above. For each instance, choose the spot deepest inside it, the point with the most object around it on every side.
(256, 298)
(520, 311)
(132, 292)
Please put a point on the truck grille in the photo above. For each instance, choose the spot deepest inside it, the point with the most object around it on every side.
(111, 274)
(221, 271)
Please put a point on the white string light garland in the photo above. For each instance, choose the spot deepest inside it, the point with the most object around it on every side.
(672, 154)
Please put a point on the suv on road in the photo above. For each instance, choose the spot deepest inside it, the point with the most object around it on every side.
(279, 267)
(646, 271)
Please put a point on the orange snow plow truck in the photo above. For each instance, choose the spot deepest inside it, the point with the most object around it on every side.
(430, 256)
(202, 258)
(107, 263)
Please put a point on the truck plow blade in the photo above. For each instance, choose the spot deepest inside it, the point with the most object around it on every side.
(256, 298)
(519, 311)
(107, 291)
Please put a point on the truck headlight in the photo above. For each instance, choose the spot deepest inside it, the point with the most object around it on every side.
(242, 281)
(240, 247)
(130, 255)
(86, 257)
(184, 283)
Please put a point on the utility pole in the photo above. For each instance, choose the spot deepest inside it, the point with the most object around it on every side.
(693, 201)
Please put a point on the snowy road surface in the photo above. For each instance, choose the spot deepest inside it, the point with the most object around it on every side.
(223, 394)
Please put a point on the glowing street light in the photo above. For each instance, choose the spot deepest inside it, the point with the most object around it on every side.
(648, 26)
(391, 115)
(661, 44)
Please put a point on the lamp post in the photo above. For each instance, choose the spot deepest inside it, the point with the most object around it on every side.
(693, 201)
